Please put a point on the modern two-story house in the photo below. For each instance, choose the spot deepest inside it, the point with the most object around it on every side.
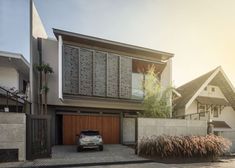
(96, 84)
(209, 97)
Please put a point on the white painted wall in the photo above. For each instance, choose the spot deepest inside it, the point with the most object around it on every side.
(9, 77)
(192, 108)
(13, 133)
(128, 130)
(227, 115)
(148, 127)
(166, 76)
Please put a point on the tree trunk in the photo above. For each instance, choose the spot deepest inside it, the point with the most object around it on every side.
(40, 94)
(45, 94)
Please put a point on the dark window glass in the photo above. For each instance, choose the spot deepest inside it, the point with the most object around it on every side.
(213, 89)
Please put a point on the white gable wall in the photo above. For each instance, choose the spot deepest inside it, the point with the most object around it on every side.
(208, 93)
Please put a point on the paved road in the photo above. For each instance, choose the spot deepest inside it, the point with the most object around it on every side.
(225, 164)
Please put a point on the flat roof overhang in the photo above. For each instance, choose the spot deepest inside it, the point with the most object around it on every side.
(16, 61)
(151, 54)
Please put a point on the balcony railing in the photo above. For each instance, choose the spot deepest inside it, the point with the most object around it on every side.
(12, 102)
(194, 116)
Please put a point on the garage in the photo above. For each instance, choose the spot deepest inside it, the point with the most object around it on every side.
(108, 126)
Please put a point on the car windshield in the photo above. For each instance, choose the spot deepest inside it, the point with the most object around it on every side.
(90, 133)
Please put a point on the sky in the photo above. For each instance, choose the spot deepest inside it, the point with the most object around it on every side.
(200, 33)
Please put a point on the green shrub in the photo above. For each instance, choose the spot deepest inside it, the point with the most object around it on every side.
(209, 146)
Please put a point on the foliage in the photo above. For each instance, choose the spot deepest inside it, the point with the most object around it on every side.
(164, 146)
(46, 69)
(156, 97)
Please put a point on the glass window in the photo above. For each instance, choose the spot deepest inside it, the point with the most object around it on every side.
(213, 89)
(202, 110)
(216, 111)
(137, 86)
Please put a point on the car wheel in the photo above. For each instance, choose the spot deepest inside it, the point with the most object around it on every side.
(101, 148)
(79, 149)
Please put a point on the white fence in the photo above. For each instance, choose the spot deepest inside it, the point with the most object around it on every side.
(148, 127)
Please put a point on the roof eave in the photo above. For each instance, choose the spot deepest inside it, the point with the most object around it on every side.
(75, 37)
(15, 55)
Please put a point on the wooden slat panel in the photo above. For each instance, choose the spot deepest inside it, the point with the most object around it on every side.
(108, 126)
(125, 77)
(85, 69)
(66, 129)
(112, 75)
(99, 74)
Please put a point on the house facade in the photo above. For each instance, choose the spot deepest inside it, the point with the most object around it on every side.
(14, 71)
(96, 84)
(209, 97)
(14, 78)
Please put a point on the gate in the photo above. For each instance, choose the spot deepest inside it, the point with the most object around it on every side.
(38, 136)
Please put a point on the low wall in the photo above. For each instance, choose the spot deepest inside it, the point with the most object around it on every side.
(148, 127)
(230, 134)
(13, 132)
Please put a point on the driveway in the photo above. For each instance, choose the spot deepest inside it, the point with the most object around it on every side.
(111, 153)
(67, 155)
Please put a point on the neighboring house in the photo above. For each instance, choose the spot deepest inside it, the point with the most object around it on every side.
(96, 84)
(209, 97)
(14, 78)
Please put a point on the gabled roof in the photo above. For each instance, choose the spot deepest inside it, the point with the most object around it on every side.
(191, 90)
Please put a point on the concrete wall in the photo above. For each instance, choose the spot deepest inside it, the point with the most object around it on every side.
(151, 126)
(231, 136)
(166, 76)
(9, 77)
(13, 132)
(129, 130)
(37, 31)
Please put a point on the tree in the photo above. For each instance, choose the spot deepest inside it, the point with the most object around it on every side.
(46, 69)
(156, 101)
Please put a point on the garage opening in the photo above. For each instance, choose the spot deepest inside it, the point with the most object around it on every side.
(108, 126)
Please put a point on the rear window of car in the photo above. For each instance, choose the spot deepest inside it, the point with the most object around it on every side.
(90, 133)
